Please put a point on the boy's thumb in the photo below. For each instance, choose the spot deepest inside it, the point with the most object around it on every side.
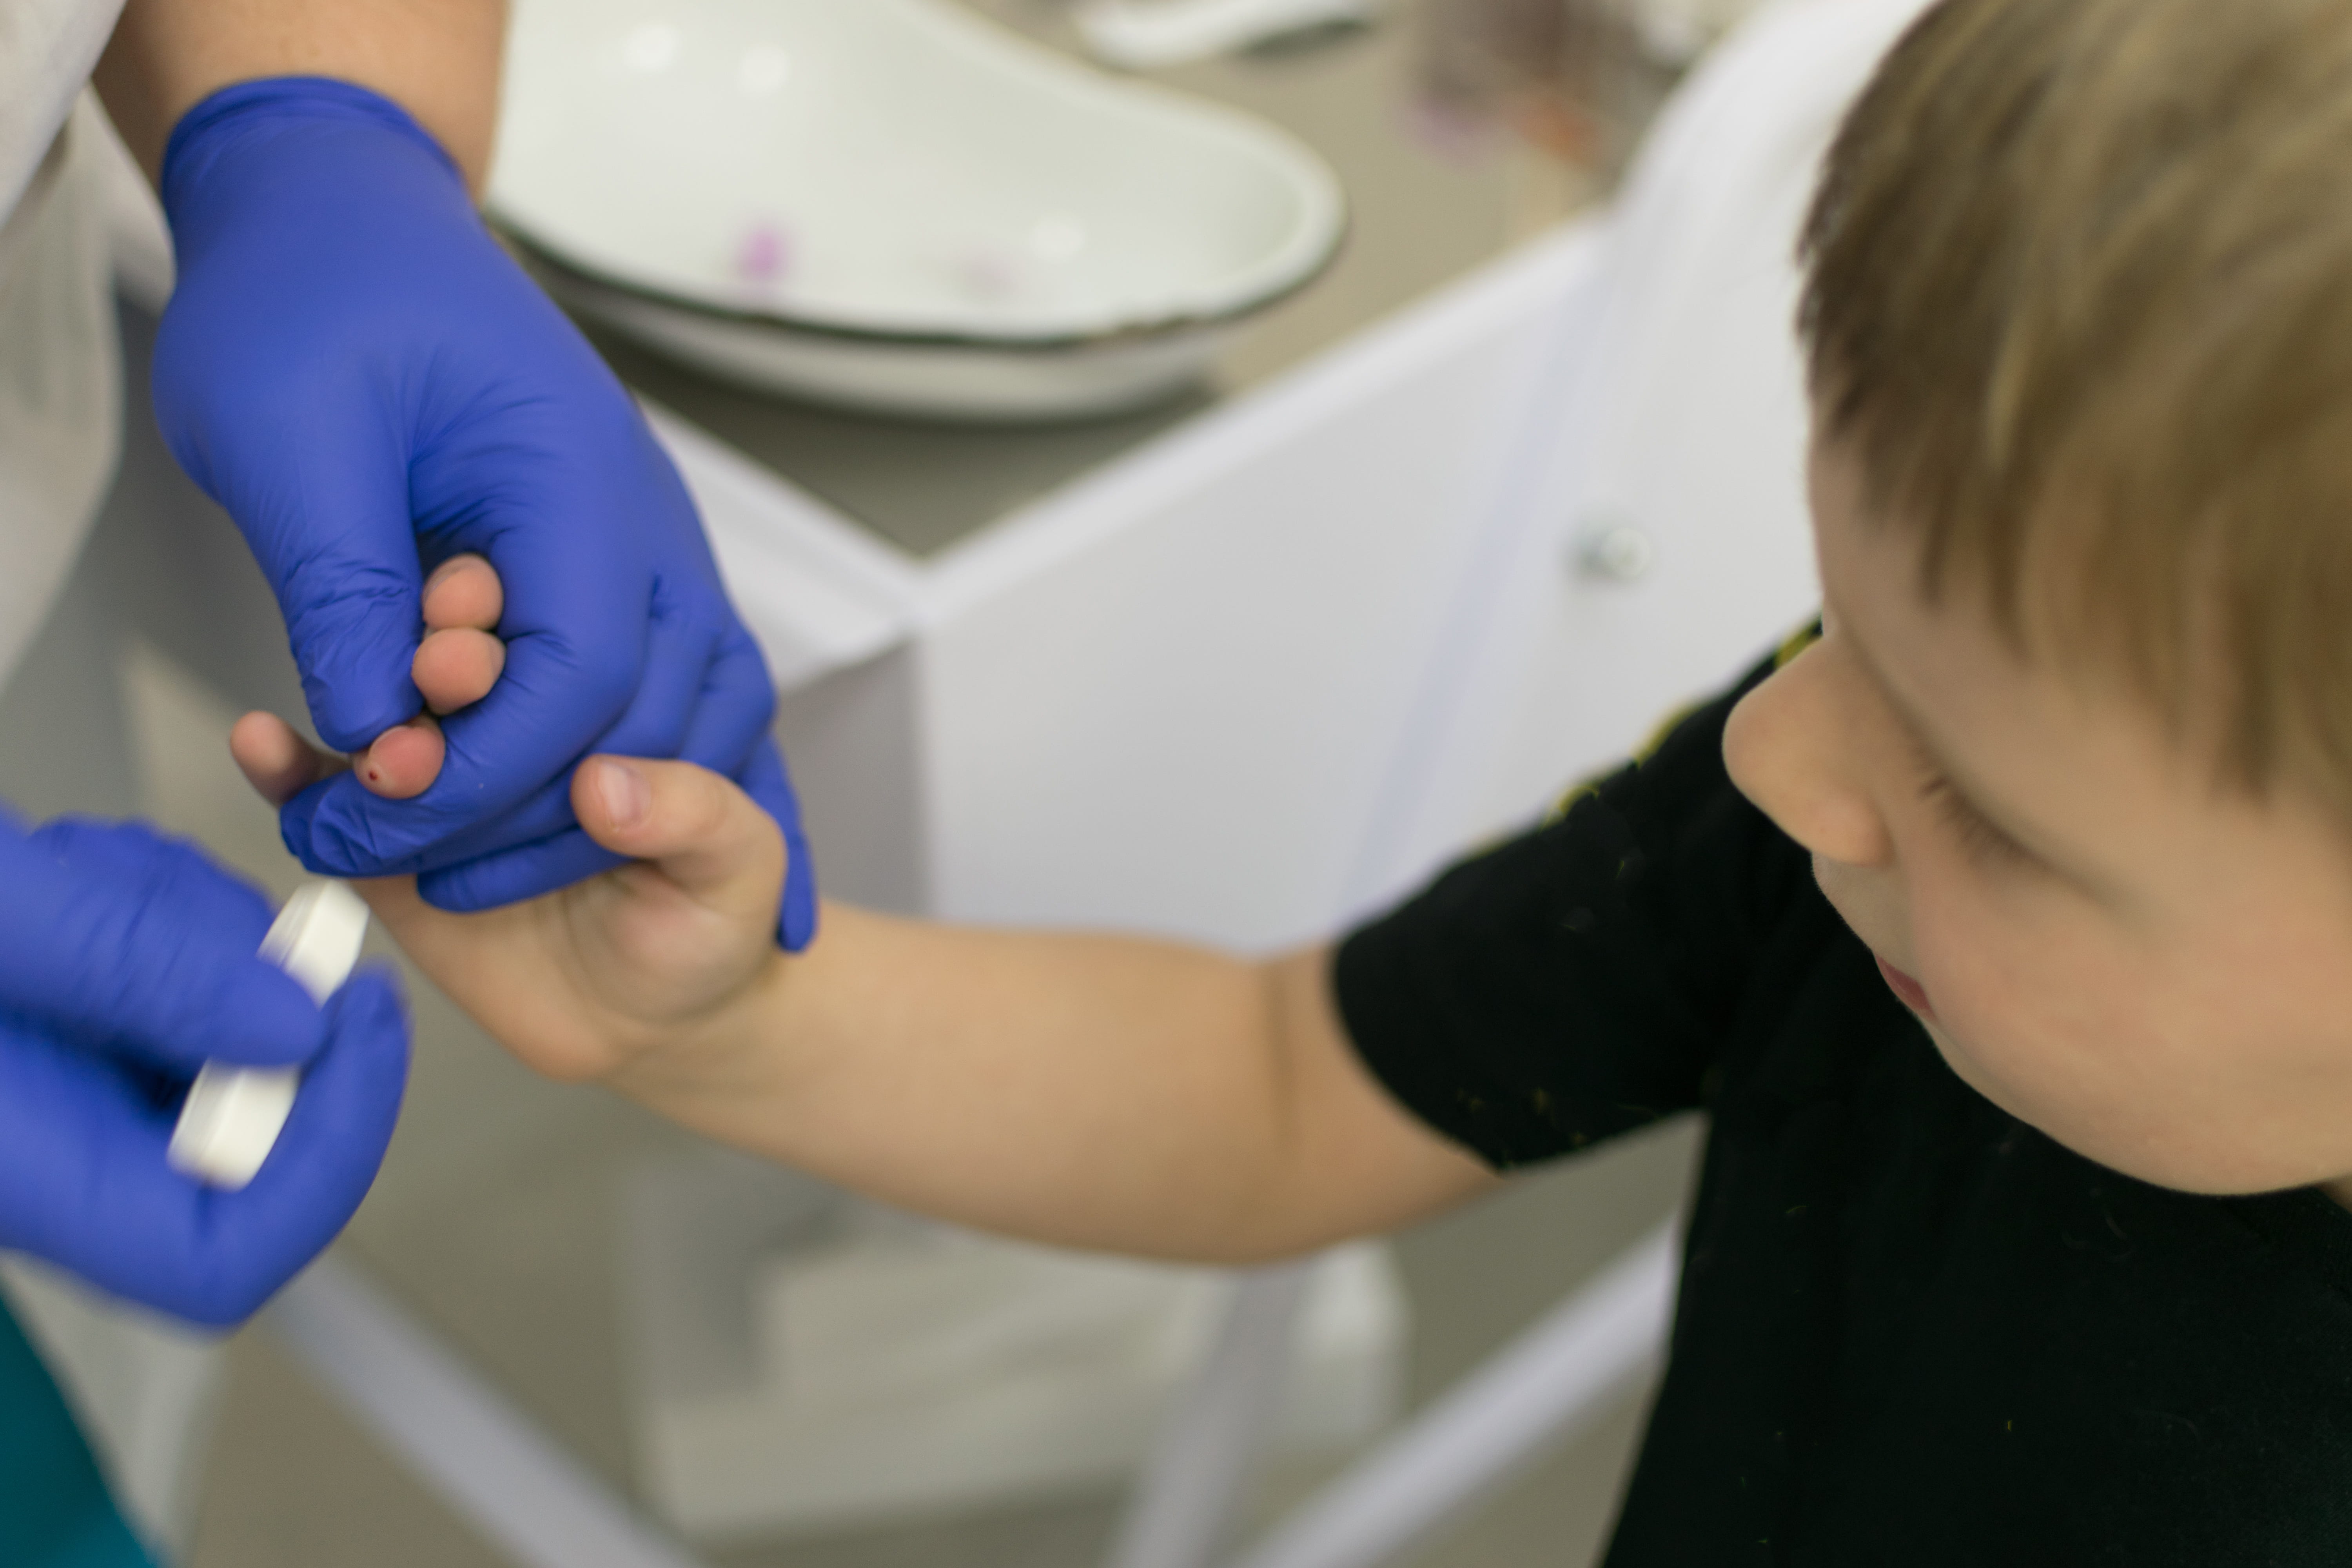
(699, 829)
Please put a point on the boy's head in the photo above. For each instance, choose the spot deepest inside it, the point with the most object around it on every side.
(2076, 748)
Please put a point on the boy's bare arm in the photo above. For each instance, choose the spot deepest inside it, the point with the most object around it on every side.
(1096, 1091)
(1086, 1091)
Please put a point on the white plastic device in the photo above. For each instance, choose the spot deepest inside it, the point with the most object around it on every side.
(233, 1115)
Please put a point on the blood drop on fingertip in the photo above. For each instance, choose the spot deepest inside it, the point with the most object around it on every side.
(233, 1115)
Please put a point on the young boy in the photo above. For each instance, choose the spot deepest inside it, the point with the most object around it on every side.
(2003, 932)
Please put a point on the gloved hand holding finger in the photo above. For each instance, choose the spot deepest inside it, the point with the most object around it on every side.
(656, 725)
(456, 666)
(538, 846)
(359, 374)
(711, 712)
(567, 856)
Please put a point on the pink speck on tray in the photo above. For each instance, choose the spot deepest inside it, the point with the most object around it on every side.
(989, 274)
(765, 255)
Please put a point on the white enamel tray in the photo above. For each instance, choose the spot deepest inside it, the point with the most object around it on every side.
(893, 204)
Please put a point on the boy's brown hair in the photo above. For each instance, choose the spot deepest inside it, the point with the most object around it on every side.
(2080, 303)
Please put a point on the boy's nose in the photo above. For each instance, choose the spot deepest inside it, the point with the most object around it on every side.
(1791, 748)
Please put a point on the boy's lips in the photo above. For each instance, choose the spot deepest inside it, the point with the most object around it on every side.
(1913, 994)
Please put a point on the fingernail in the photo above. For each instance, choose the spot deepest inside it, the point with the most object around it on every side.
(626, 795)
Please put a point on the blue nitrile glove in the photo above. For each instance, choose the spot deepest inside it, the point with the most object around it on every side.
(353, 367)
(127, 961)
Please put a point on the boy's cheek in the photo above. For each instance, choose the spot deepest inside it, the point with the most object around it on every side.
(2060, 1030)
(2067, 1036)
(1963, 956)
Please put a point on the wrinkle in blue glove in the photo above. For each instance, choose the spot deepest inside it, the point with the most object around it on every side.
(127, 960)
(354, 368)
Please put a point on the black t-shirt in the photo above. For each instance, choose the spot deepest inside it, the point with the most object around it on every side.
(1912, 1330)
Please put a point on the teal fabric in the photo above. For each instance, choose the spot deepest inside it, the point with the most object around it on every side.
(55, 1510)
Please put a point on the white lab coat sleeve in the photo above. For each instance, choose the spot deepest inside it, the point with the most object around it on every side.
(142, 1388)
(47, 49)
(61, 404)
(60, 378)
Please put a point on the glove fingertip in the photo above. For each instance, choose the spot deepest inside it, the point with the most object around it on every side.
(796, 921)
(514, 876)
(456, 890)
(768, 781)
(356, 660)
(373, 1001)
(272, 1020)
(341, 1125)
(330, 828)
(226, 1306)
(295, 819)
(350, 721)
(361, 1079)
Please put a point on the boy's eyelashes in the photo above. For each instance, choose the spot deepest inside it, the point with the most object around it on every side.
(1984, 841)
(1981, 838)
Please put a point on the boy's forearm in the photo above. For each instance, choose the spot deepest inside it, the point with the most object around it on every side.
(438, 60)
(1089, 1092)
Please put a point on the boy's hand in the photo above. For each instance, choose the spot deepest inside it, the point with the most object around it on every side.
(581, 982)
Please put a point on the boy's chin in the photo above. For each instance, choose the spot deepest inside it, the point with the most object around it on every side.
(2181, 1165)
(2077, 1133)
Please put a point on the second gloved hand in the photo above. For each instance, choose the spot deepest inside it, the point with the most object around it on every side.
(127, 961)
(353, 367)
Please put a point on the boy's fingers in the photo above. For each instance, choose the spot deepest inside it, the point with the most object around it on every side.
(279, 764)
(275, 760)
(703, 833)
(457, 667)
(464, 593)
(404, 760)
(459, 659)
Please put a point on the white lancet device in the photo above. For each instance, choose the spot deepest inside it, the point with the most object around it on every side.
(233, 1115)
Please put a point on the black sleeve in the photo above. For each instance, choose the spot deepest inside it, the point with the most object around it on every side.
(1579, 981)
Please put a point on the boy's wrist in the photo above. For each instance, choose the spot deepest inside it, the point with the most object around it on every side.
(727, 1048)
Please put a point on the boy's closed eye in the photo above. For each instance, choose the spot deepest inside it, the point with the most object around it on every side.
(1984, 840)
(1981, 834)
